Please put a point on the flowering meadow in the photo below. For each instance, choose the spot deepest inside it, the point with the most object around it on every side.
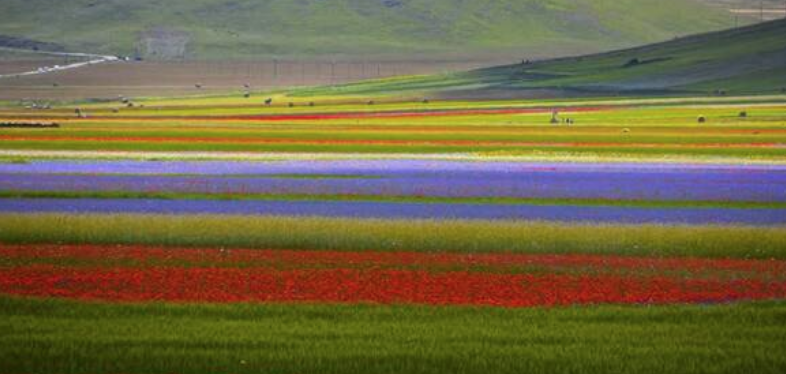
(224, 236)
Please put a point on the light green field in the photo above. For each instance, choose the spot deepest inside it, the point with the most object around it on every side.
(395, 235)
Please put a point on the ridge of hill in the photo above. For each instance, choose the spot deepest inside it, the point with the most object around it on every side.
(746, 60)
(393, 29)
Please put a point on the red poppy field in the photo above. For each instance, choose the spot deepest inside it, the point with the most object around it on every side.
(138, 274)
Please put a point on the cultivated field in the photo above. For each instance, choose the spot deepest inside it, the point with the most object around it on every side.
(166, 79)
(335, 234)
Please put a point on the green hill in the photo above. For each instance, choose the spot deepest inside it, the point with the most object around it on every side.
(747, 60)
(423, 29)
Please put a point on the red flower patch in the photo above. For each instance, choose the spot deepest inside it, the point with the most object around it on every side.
(138, 274)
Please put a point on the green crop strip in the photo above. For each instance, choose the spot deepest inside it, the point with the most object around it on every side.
(54, 336)
(242, 196)
(343, 234)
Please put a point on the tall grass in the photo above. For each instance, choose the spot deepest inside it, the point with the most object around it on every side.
(49, 336)
(394, 235)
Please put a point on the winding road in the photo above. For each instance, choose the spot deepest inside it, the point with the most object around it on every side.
(92, 59)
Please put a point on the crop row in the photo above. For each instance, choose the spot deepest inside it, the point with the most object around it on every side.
(146, 256)
(394, 278)
(733, 184)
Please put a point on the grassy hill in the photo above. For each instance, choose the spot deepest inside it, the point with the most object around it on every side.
(425, 29)
(759, 9)
(747, 60)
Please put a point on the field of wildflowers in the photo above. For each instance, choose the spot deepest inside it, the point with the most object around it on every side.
(416, 237)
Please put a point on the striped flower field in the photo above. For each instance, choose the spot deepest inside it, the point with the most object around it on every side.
(185, 236)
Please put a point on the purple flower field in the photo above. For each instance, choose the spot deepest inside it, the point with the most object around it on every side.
(648, 182)
(656, 182)
(404, 210)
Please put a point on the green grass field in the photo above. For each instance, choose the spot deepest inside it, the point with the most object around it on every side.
(45, 336)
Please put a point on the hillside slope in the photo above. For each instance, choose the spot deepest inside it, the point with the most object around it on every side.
(746, 60)
(478, 29)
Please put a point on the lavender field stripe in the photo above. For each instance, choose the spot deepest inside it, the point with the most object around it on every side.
(391, 199)
(405, 211)
(228, 176)
(411, 178)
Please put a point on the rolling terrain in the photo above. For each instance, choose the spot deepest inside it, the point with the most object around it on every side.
(394, 29)
(746, 60)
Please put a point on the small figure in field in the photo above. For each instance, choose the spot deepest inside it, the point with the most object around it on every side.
(743, 114)
(702, 119)
(246, 85)
(115, 110)
(269, 101)
(291, 104)
(370, 102)
(247, 95)
(311, 103)
(79, 113)
(625, 130)
(425, 101)
(554, 117)
(198, 86)
(569, 121)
